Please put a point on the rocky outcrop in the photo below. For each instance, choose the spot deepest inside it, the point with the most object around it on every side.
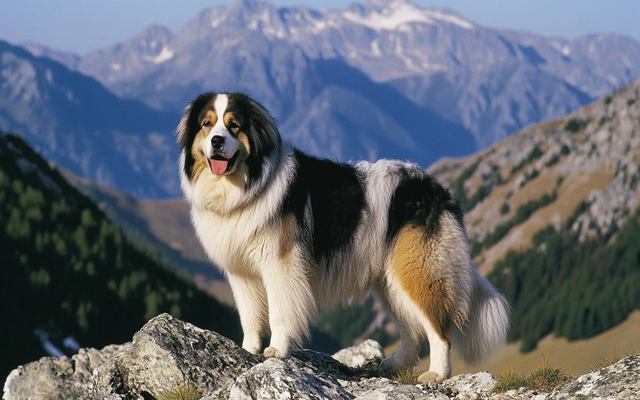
(168, 356)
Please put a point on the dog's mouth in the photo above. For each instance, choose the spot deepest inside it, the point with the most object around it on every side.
(220, 165)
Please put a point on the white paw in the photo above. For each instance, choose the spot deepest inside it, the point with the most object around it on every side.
(430, 378)
(273, 352)
(252, 344)
(252, 349)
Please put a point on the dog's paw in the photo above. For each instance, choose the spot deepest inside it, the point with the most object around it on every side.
(253, 349)
(273, 352)
(430, 378)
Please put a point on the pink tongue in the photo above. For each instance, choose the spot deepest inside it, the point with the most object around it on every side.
(218, 167)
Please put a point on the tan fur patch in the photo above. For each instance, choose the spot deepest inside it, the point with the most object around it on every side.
(211, 117)
(244, 139)
(286, 236)
(200, 161)
(413, 264)
(235, 128)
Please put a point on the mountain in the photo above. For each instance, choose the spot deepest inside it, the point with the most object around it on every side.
(68, 270)
(73, 120)
(386, 79)
(553, 215)
(492, 82)
(130, 147)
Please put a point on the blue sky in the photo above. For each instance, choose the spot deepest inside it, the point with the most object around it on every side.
(82, 26)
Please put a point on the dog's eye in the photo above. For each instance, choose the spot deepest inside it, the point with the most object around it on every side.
(206, 123)
(234, 127)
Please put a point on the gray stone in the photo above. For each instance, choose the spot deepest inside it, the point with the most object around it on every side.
(356, 356)
(618, 381)
(168, 354)
(53, 378)
(470, 385)
(281, 379)
(386, 389)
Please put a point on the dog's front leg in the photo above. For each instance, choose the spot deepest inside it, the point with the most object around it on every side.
(251, 300)
(291, 306)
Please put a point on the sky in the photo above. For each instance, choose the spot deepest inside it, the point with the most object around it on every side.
(83, 26)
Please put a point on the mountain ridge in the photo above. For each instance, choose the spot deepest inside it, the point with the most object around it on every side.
(433, 84)
(74, 121)
(423, 53)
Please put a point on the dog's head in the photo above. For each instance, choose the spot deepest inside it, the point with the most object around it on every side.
(226, 139)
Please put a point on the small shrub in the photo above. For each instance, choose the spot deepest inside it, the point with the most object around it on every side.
(607, 100)
(504, 209)
(553, 160)
(574, 125)
(543, 379)
(181, 393)
(547, 378)
(530, 175)
(408, 376)
(510, 380)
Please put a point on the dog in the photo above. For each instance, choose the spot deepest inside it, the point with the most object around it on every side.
(293, 232)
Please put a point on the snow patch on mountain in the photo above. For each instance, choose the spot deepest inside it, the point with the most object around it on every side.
(400, 13)
(165, 54)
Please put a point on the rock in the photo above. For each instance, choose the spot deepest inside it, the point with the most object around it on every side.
(618, 381)
(384, 388)
(356, 356)
(168, 355)
(469, 385)
(63, 377)
(282, 379)
(165, 354)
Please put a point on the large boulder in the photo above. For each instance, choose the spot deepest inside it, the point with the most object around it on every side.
(169, 357)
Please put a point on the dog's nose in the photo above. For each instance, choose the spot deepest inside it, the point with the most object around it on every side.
(217, 142)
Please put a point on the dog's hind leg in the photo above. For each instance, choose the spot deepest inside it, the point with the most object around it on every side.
(426, 285)
(407, 354)
(413, 326)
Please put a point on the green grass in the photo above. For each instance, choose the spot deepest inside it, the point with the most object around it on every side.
(607, 361)
(407, 376)
(543, 379)
(181, 393)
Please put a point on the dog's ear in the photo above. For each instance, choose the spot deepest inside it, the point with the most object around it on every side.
(266, 136)
(189, 124)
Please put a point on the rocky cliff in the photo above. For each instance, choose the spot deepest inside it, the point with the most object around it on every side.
(169, 358)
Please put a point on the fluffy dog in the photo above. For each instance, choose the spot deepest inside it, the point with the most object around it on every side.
(293, 233)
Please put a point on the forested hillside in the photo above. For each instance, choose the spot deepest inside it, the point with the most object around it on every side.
(67, 268)
(553, 216)
(570, 288)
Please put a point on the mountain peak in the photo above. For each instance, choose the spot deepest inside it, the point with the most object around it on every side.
(389, 15)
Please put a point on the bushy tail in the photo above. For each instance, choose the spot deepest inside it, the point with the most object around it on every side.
(486, 328)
